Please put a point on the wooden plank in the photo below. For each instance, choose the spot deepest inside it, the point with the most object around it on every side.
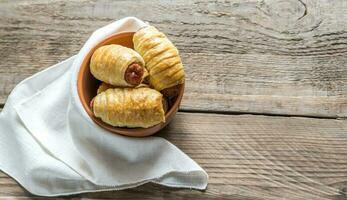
(280, 57)
(249, 157)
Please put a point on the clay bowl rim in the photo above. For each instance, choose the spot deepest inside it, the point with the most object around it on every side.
(134, 132)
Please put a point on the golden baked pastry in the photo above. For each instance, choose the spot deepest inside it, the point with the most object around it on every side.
(117, 65)
(161, 57)
(129, 107)
(165, 105)
(104, 86)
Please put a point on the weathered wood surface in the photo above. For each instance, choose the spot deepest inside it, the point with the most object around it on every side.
(249, 157)
(257, 56)
(286, 57)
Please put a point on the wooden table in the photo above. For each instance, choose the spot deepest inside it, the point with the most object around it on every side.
(266, 96)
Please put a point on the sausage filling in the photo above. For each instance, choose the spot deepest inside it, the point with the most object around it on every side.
(133, 74)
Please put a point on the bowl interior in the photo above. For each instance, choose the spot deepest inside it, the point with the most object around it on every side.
(87, 86)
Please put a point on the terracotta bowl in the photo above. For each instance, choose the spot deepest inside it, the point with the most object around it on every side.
(87, 86)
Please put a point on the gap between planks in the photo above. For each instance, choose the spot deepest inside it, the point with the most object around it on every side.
(244, 113)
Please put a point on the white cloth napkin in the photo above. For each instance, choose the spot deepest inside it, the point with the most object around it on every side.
(51, 147)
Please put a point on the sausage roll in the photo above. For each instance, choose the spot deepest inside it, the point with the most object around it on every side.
(129, 107)
(161, 57)
(117, 65)
(104, 86)
(165, 105)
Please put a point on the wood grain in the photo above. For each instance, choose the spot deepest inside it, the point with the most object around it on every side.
(257, 56)
(249, 157)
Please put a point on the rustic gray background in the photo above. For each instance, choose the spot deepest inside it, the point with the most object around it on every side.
(279, 63)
